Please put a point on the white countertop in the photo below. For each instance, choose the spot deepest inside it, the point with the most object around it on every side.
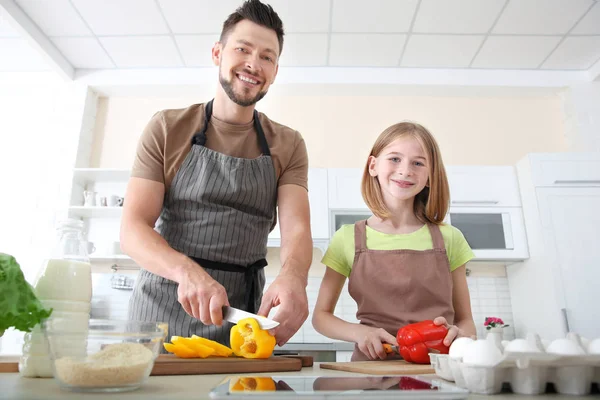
(196, 387)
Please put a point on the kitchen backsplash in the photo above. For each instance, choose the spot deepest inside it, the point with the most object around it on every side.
(490, 297)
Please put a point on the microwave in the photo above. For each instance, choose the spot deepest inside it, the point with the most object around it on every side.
(494, 233)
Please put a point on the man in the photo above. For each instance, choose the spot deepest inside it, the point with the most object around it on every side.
(203, 194)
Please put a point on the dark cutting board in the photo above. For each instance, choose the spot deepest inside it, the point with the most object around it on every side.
(169, 364)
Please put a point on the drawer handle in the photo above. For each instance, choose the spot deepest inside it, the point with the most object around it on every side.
(587, 182)
(475, 201)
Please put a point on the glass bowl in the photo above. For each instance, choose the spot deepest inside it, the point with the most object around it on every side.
(108, 356)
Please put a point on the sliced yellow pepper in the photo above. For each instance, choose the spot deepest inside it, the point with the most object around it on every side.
(220, 350)
(258, 384)
(180, 351)
(248, 340)
(198, 348)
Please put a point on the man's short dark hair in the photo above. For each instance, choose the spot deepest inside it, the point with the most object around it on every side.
(257, 12)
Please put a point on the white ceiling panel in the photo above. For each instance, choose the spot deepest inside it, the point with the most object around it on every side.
(578, 52)
(197, 16)
(304, 50)
(18, 55)
(541, 17)
(122, 17)
(142, 51)
(515, 51)
(83, 52)
(590, 24)
(55, 17)
(196, 50)
(457, 16)
(373, 15)
(366, 50)
(431, 51)
(6, 29)
(306, 16)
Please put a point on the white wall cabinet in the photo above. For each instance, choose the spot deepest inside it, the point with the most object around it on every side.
(483, 186)
(344, 189)
(555, 290)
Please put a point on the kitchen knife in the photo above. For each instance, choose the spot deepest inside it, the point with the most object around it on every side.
(234, 315)
(394, 349)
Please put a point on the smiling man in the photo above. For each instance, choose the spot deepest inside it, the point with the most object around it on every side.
(203, 193)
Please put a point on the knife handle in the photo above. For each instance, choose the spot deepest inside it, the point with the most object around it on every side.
(389, 348)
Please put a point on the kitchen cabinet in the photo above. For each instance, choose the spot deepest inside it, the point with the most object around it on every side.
(344, 189)
(483, 186)
(555, 290)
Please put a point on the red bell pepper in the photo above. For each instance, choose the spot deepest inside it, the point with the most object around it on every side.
(415, 341)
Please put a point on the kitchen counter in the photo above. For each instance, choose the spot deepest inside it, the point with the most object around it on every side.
(194, 387)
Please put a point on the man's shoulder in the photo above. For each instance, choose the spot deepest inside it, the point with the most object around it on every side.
(179, 115)
(277, 129)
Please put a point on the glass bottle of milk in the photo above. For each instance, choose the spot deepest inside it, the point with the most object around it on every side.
(63, 283)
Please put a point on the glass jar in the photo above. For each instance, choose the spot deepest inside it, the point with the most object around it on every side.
(66, 275)
(63, 283)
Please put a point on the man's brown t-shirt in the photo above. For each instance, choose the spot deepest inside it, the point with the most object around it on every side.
(167, 140)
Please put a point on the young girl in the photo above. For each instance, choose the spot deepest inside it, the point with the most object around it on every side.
(404, 264)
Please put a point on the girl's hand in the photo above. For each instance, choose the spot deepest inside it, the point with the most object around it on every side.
(370, 342)
(453, 331)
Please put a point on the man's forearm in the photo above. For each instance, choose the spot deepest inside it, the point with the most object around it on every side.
(152, 252)
(296, 253)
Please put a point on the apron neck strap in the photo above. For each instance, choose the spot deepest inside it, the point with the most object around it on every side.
(360, 236)
(436, 236)
(200, 137)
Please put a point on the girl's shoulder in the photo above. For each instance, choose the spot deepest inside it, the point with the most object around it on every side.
(451, 233)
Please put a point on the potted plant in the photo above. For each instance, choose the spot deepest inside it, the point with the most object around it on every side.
(494, 327)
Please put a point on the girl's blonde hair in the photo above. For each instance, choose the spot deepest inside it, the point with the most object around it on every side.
(431, 204)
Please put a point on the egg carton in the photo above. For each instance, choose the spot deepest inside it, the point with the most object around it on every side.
(527, 373)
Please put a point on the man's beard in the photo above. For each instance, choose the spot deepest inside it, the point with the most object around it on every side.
(228, 88)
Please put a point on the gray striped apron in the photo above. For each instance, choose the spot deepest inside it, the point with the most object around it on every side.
(218, 211)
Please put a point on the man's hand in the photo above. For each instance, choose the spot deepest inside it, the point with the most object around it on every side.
(370, 341)
(200, 295)
(288, 292)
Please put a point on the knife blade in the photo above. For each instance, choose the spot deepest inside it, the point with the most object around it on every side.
(234, 315)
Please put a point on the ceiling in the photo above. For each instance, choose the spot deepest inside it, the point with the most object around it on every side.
(517, 35)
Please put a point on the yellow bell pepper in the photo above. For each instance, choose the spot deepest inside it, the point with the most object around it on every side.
(220, 350)
(196, 347)
(248, 340)
(258, 384)
(180, 351)
(200, 349)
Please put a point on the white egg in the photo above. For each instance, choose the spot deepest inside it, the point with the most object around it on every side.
(482, 352)
(521, 346)
(566, 347)
(457, 347)
(594, 346)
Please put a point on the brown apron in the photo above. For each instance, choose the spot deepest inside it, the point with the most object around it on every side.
(393, 288)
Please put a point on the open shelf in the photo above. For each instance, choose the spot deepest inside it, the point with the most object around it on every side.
(95, 212)
(85, 175)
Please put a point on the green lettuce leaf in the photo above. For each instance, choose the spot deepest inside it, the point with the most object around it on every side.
(19, 306)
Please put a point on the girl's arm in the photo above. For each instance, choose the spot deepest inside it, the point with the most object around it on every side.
(370, 340)
(463, 316)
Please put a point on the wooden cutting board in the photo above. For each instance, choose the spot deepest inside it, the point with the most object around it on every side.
(169, 364)
(9, 364)
(391, 367)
